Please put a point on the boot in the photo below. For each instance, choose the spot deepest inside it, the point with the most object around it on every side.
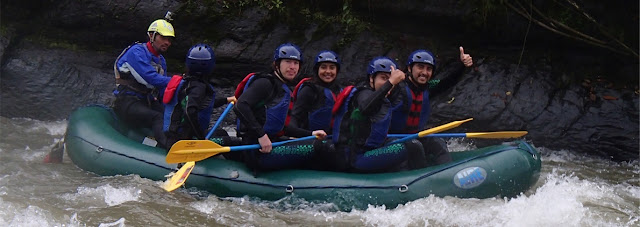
(436, 150)
(415, 155)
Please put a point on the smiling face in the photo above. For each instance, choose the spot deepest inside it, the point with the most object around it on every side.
(289, 68)
(421, 73)
(327, 72)
(160, 43)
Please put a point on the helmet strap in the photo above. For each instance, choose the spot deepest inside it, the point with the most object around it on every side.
(153, 37)
(276, 70)
(411, 74)
(372, 80)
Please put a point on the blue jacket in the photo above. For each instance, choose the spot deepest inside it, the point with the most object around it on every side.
(140, 64)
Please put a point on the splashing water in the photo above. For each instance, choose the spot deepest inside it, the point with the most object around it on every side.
(573, 190)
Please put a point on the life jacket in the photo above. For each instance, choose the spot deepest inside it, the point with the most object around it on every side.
(412, 114)
(171, 100)
(276, 115)
(124, 78)
(379, 128)
(319, 118)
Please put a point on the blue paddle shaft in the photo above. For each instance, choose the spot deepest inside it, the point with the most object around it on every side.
(257, 146)
(224, 114)
(431, 135)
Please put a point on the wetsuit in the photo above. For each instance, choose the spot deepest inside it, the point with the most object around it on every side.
(141, 79)
(312, 108)
(188, 116)
(261, 109)
(361, 132)
(411, 115)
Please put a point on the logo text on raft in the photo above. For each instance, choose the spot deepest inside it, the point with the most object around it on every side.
(470, 177)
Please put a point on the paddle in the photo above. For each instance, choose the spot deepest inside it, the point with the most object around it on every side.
(180, 177)
(56, 153)
(483, 135)
(196, 150)
(432, 131)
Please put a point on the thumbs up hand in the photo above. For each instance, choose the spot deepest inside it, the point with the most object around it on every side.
(465, 58)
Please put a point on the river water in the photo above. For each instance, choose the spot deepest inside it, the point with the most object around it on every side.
(573, 190)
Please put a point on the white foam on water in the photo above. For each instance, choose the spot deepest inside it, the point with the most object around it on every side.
(55, 128)
(560, 198)
(12, 215)
(28, 125)
(25, 134)
(210, 205)
(561, 201)
(245, 210)
(459, 144)
(559, 156)
(214, 209)
(107, 194)
(119, 223)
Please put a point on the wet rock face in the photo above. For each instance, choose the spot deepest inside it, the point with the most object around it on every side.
(502, 96)
(47, 82)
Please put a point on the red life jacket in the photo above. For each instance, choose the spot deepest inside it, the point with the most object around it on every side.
(242, 85)
(413, 120)
(339, 104)
(294, 95)
(172, 86)
(341, 98)
(411, 115)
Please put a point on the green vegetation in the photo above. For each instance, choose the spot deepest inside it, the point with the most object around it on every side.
(567, 18)
(298, 15)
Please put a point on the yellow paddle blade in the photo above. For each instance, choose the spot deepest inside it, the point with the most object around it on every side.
(496, 135)
(180, 177)
(193, 150)
(441, 128)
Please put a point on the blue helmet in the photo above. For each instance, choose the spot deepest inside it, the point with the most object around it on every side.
(287, 51)
(326, 56)
(421, 56)
(380, 64)
(200, 60)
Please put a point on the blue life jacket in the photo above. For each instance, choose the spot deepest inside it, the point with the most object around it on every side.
(379, 128)
(319, 118)
(412, 114)
(204, 115)
(276, 114)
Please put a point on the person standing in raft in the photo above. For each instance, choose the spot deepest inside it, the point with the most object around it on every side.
(313, 100)
(141, 78)
(362, 118)
(263, 103)
(412, 108)
(189, 99)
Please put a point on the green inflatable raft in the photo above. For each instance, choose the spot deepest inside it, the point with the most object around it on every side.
(97, 142)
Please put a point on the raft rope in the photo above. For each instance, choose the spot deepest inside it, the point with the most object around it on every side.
(291, 188)
(102, 149)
